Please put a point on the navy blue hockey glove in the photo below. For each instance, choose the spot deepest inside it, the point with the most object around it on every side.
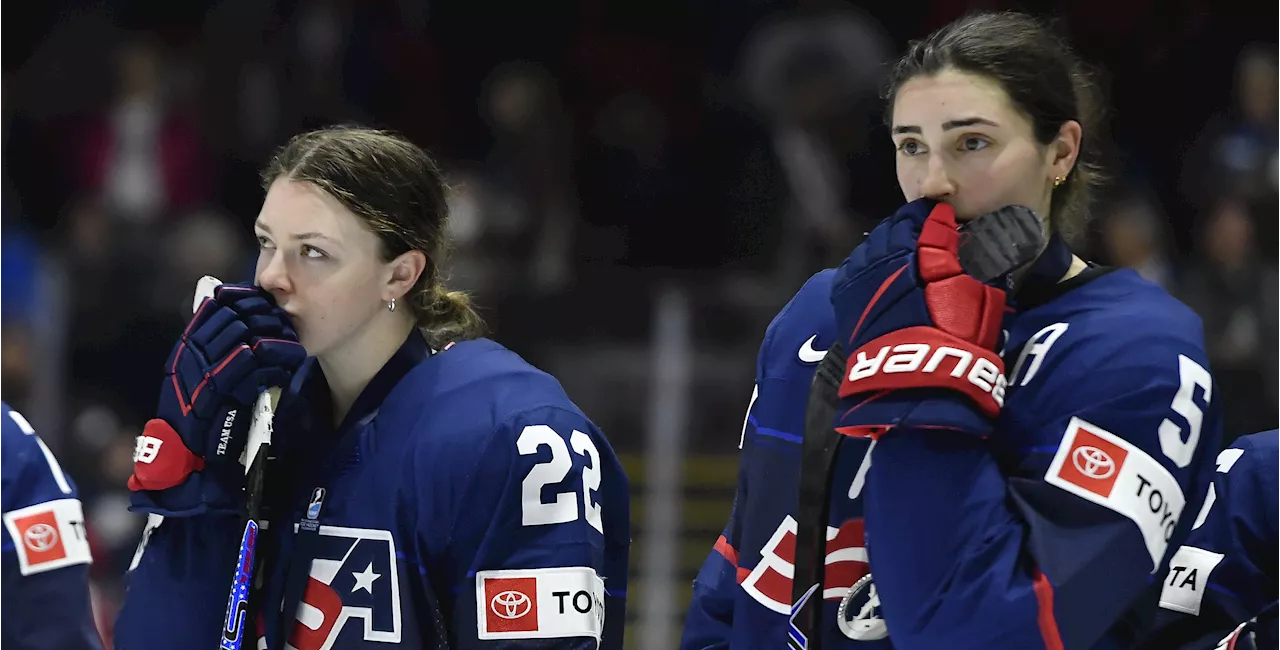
(187, 460)
(920, 334)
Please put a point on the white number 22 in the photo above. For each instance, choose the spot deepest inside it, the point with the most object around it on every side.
(535, 511)
(1191, 375)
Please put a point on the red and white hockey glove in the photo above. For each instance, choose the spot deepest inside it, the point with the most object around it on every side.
(921, 334)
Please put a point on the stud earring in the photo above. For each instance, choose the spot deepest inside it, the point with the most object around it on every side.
(1057, 180)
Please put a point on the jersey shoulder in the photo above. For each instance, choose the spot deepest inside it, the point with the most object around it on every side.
(29, 473)
(1125, 314)
(1247, 473)
(800, 333)
(1115, 332)
(18, 434)
(794, 343)
(486, 426)
(42, 515)
(457, 402)
(475, 385)
(1116, 357)
(1265, 444)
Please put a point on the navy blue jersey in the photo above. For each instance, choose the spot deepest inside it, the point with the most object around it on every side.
(742, 595)
(1056, 532)
(464, 500)
(46, 552)
(1225, 573)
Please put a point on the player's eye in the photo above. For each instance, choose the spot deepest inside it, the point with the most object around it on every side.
(974, 143)
(264, 243)
(311, 252)
(910, 147)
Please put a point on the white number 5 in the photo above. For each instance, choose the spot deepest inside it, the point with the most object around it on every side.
(1190, 375)
(536, 512)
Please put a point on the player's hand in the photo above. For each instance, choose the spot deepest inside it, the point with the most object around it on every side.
(920, 334)
(187, 460)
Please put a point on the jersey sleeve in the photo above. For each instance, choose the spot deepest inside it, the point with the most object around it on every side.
(46, 552)
(537, 551)
(1225, 573)
(177, 585)
(742, 593)
(708, 623)
(1055, 545)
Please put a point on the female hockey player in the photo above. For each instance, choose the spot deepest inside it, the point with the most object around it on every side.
(1018, 484)
(428, 488)
(46, 553)
(1222, 584)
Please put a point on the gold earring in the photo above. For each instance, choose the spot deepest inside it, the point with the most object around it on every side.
(1057, 180)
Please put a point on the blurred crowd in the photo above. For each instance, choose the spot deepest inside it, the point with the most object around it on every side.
(599, 151)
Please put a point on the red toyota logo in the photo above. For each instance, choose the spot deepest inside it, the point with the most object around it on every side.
(1093, 462)
(40, 537)
(510, 605)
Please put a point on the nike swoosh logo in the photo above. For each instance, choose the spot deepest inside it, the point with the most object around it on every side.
(810, 355)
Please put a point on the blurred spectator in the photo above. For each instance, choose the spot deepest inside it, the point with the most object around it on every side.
(813, 78)
(1133, 234)
(240, 96)
(19, 266)
(113, 265)
(19, 270)
(15, 361)
(142, 156)
(475, 218)
(204, 242)
(635, 192)
(317, 38)
(1234, 292)
(7, 113)
(529, 167)
(1235, 153)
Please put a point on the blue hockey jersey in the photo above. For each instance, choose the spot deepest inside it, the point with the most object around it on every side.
(742, 595)
(465, 500)
(1056, 532)
(46, 552)
(1225, 573)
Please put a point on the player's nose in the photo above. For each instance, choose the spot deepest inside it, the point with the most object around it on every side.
(937, 183)
(273, 276)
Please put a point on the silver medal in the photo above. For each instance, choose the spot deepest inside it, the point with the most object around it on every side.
(866, 624)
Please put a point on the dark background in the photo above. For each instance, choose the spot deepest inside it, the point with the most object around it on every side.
(635, 182)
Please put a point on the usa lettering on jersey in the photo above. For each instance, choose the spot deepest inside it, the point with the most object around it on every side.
(1104, 468)
(554, 603)
(353, 576)
(48, 536)
(769, 583)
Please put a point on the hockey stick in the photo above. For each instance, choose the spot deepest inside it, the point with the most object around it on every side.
(257, 449)
(818, 450)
